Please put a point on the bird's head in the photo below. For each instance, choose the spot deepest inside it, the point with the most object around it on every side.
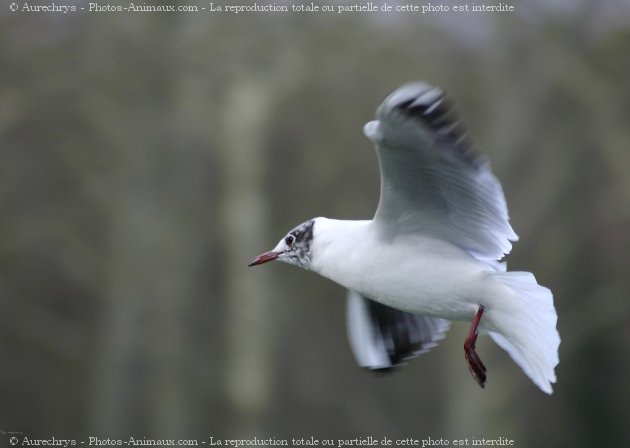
(294, 248)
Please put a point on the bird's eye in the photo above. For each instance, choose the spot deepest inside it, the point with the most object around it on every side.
(289, 240)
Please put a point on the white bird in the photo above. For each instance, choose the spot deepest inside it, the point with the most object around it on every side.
(430, 254)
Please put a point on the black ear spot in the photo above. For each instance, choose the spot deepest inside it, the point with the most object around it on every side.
(289, 240)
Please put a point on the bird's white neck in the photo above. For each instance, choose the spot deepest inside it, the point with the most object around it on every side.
(334, 242)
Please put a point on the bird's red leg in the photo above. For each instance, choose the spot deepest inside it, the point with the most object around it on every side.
(475, 365)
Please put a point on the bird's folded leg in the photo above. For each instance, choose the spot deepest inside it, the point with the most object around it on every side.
(475, 365)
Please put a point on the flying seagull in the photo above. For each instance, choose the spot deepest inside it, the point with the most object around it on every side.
(431, 253)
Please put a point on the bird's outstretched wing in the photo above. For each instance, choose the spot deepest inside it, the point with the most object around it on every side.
(433, 181)
(382, 337)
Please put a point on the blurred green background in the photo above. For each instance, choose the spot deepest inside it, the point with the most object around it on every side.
(145, 158)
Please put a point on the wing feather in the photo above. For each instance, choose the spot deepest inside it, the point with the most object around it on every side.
(433, 180)
(382, 337)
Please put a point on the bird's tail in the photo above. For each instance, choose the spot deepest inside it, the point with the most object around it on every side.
(526, 326)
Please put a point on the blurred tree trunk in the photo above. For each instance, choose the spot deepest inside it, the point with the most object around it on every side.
(251, 302)
(245, 214)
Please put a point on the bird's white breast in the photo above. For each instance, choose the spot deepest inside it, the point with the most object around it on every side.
(416, 273)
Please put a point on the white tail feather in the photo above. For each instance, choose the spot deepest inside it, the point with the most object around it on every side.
(526, 326)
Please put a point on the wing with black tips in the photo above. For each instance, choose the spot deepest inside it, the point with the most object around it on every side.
(433, 181)
(382, 337)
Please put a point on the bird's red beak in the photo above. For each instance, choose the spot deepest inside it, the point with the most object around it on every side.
(264, 258)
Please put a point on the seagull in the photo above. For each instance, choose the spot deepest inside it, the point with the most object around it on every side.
(432, 252)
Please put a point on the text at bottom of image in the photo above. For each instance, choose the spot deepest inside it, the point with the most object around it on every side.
(270, 7)
(369, 441)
